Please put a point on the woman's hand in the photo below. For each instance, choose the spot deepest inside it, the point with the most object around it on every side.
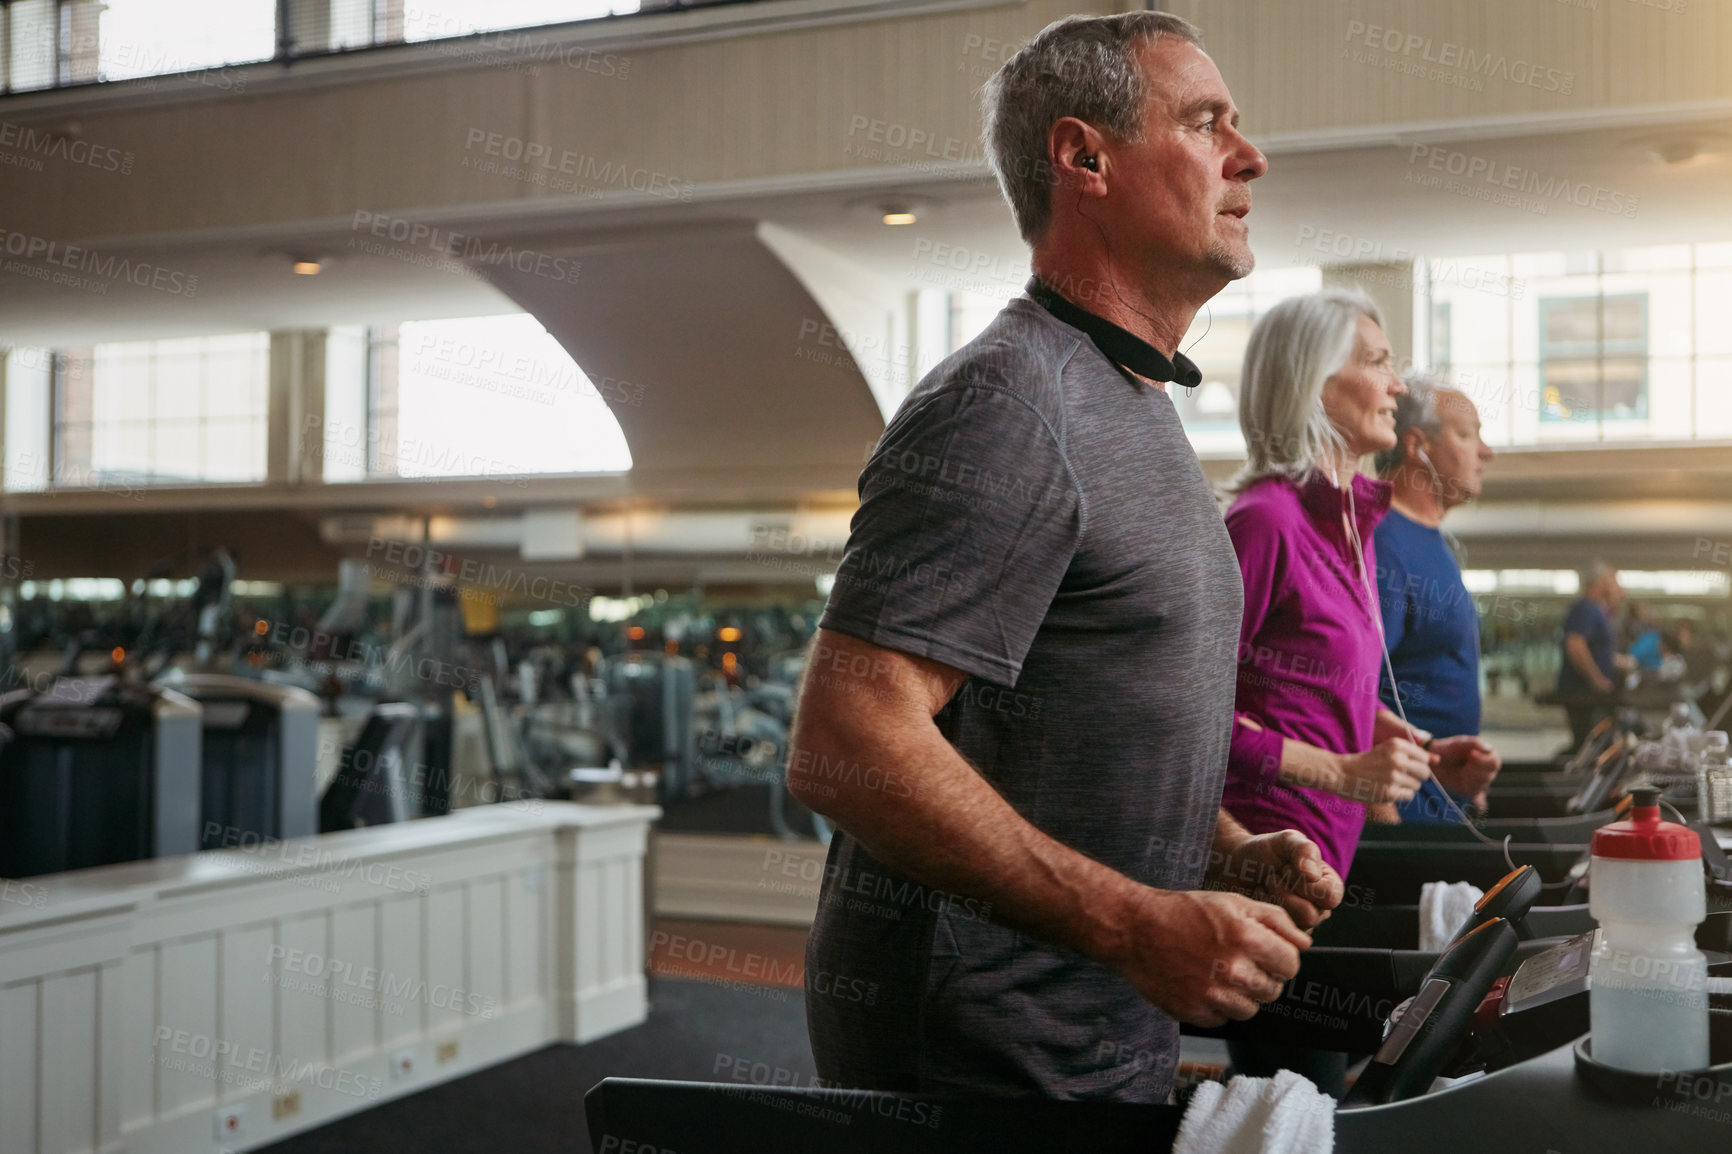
(1466, 766)
(1391, 770)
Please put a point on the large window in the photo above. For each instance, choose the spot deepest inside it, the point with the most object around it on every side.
(436, 19)
(48, 43)
(162, 412)
(1621, 345)
(476, 397)
(1217, 343)
(1594, 358)
(29, 384)
(155, 38)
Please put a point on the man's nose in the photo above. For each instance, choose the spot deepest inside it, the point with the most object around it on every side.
(1252, 162)
(1246, 161)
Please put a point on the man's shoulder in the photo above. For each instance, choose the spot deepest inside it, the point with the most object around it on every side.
(1024, 352)
(1397, 527)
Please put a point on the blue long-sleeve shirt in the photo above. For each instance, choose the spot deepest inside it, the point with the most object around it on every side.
(1431, 626)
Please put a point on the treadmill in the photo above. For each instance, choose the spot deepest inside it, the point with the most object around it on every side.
(371, 785)
(261, 749)
(1506, 1016)
(652, 699)
(96, 771)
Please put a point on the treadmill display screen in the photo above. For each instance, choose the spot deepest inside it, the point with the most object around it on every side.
(1557, 973)
(99, 722)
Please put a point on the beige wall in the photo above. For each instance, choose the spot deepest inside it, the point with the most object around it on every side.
(1294, 69)
(784, 104)
(749, 107)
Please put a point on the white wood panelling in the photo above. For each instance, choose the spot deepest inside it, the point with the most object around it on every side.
(755, 879)
(246, 1001)
(302, 1008)
(355, 945)
(184, 1041)
(400, 952)
(484, 981)
(18, 1058)
(139, 1000)
(69, 1051)
(445, 934)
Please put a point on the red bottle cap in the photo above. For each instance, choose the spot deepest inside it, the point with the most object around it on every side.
(1644, 837)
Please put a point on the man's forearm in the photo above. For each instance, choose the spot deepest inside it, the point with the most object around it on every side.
(1229, 834)
(953, 832)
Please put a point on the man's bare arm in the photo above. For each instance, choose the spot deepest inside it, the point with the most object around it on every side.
(867, 754)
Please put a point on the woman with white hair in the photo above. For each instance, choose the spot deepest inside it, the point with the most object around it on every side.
(1317, 399)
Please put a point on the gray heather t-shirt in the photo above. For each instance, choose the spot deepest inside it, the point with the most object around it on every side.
(1034, 517)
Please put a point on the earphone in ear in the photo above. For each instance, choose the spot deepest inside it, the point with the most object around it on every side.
(1422, 455)
(1091, 163)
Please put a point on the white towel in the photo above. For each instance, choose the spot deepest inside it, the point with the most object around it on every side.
(1285, 1114)
(1444, 908)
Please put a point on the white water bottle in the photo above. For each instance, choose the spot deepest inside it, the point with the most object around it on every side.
(1714, 778)
(1647, 981)
(1678, 740)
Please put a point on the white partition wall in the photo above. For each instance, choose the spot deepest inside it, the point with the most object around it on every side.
(222, 1001)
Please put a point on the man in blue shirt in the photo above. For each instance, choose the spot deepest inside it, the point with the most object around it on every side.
(1590, 665)
(1430, 623)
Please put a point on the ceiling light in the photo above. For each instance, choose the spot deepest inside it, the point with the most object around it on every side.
(893, 207)
(1685, 150)
(307, 267)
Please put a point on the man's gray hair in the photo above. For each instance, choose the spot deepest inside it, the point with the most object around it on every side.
(1415, 409)
(1595, 572)
(1081, 66)
(1297, 346)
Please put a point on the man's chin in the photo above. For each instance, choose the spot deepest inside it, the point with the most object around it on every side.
(1232, 261)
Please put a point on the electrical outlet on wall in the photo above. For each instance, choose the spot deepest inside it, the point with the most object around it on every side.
(402, 1065)
(230, 1122)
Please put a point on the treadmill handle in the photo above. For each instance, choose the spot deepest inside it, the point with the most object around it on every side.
(1438, 1020)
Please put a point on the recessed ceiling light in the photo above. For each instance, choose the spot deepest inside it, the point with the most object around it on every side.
(1685, 149)
(893, 207)
(307, 267)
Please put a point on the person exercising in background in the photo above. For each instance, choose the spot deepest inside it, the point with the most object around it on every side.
(1017, 707)
(1430, 623)
(1317, 398)
(1591, 664)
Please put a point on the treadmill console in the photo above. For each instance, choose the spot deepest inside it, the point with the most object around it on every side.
(1558, 973)
(90, 722)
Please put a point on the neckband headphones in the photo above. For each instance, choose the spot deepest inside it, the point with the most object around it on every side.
(1117, 344)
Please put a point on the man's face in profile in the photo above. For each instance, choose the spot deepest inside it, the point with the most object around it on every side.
(1187, 180)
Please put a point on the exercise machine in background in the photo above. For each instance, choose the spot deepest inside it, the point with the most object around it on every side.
(96, 771)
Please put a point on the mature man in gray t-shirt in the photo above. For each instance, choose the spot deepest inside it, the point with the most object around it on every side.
(1018, 706)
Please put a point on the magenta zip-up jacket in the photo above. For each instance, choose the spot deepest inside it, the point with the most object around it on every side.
(1309, 651)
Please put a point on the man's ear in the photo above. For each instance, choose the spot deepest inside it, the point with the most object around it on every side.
(1075, 149)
